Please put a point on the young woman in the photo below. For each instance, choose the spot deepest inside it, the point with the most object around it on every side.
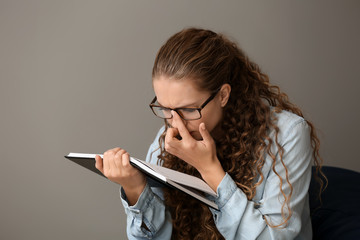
(225, 123)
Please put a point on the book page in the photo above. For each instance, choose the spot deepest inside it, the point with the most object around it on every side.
(181, 178)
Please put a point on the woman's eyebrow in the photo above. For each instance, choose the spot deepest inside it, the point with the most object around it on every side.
(191, 105)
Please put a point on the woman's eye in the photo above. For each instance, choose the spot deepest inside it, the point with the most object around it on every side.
(188, 110)
(164, 109)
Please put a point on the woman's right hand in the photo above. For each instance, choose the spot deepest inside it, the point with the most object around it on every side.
(116, 166)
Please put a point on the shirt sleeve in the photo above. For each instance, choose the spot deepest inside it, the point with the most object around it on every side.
(238, 218)
(148, 218)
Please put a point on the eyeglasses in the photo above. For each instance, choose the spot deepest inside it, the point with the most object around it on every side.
(184, 113)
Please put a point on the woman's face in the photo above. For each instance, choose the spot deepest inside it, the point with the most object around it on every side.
(182, 93)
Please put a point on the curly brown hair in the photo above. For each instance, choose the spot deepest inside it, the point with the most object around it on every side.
(211, 60)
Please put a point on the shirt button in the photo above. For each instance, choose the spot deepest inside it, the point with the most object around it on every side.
(137, 211)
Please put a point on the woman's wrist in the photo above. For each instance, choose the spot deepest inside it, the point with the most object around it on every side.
(213, 175)
(133, 193)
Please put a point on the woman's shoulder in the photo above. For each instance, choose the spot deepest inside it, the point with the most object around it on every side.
(285, 118)
(159, 133)
(288, 122)
(154, 149)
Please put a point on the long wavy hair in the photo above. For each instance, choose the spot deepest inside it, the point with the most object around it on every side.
(211, 60)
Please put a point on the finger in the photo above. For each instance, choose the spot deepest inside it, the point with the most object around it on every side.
(118, 158)
(171, 139)
(115, 150)
(109, 158)
(179, 124)
(206, 136)
(99, 163)
(172, 133)
(105, 164)
(125, 158)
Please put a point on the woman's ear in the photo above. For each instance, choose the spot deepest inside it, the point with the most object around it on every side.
(225, 91)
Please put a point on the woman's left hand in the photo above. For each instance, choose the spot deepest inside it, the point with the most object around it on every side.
(199, 154)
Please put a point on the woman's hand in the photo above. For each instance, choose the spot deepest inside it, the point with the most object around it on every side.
(199, 154)
(116, 167)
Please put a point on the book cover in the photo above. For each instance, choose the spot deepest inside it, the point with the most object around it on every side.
(158, 176)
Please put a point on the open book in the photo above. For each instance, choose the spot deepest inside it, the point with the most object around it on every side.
(157, 176)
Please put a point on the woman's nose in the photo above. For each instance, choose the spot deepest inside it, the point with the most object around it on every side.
(173, 124)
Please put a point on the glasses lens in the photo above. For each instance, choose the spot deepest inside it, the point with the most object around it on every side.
(189, 113)
(185, 113)
(162, 112)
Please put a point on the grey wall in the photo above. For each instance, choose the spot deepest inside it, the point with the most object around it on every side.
(76, 76)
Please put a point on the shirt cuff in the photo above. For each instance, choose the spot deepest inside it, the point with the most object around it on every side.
(141, 203)
(225, 191)
(148, 210)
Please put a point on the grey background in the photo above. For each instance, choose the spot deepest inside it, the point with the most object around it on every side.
(75, 76)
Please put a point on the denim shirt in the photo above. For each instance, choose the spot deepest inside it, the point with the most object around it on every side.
(238, 217)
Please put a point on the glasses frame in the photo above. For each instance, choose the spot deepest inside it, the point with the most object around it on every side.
(151, 105)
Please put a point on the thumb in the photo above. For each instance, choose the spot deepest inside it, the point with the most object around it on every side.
(205, 133)
(99, 163)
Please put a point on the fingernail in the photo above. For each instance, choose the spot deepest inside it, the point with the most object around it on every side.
(203, 126)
